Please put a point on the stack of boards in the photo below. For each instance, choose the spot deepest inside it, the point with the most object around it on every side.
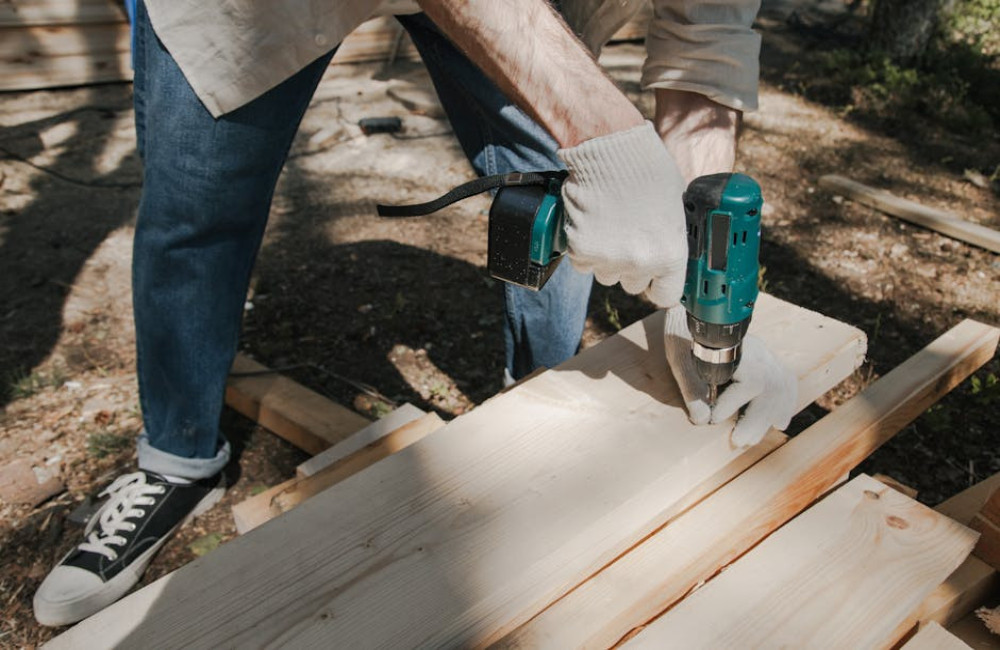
(581, 509)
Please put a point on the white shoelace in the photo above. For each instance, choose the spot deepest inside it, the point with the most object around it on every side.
(125, 494)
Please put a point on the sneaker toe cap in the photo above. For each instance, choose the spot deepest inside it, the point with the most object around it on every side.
(63, 596)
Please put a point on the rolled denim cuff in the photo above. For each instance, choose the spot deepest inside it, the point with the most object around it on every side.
(152, 459)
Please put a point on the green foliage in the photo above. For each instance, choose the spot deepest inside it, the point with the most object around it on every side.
(23, 384)
(938, 418)
(611, 313)
(985, 392)
(206, 544)
(100, 445)
(976, 24)
(957, 86)
(943, 91)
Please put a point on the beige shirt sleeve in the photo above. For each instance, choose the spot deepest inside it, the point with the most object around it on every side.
(705, 46)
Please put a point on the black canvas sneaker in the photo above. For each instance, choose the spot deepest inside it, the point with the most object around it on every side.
(142, 512)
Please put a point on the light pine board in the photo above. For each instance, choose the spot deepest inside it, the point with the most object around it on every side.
(841, 575)
(271, 503)
(379, 428)
(940, 221)
(689, 550)
(22, 13)
(464, 535)
(301, 416)
(987, 522)
(970, 584)
(935, 637)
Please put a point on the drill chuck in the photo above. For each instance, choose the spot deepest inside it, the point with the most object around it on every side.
(716, 348)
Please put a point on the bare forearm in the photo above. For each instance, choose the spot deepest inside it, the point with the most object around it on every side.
(700, 133)
(525, 47)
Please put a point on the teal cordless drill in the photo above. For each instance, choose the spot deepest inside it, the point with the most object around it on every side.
(526, 242)
(720, 289)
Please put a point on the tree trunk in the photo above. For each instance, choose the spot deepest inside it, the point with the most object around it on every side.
(902, 29)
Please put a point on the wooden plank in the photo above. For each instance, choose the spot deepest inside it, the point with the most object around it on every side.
(379, 428)
(59, 71)
(843, 574)
(970, 584)
(991, 509)
(988, 547)
(935, 637)
(940, 221)
(462, 536)
(59, 12)
(281, 498)
(378, 39)
(637, 27)
(25, 44)
(896, 485)
(964, 590)
(963, 506)
(304, 418)
(973, 632)
(661, 570)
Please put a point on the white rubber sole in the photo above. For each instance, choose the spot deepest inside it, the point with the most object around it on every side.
(58, 613)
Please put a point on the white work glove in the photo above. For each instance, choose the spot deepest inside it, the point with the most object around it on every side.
(761, 382)
(624, 214)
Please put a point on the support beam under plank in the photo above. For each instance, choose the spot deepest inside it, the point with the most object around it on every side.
(663, 568)
(303, 417)
(379, 428)
(935, 637)
(459, 538)
(842, 574)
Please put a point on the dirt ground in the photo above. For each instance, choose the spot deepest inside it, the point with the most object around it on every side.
(407, 307)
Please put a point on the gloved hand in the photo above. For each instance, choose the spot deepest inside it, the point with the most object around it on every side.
(624, 215)
(761, 382)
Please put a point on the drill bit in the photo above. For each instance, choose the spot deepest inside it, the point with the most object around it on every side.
(713, 394)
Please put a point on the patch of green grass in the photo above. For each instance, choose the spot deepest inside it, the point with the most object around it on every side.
(611, 313)
(100, 445)
(206, 544)
(953, 90)
(25, 384)
(986, 391)
(955, 85)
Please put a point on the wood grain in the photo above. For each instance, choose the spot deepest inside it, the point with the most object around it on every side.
(843, 574)
(281, 498)
(301, 416)
(935, 637)
(969, 585)
(464, 535)
(661, 570)
(23, 13)
(379, 428)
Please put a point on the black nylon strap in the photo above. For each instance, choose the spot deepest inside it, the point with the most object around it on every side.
(465, 190)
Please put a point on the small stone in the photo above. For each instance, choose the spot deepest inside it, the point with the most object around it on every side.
(19, 483)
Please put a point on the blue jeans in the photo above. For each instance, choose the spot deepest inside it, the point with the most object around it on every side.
(207, 189)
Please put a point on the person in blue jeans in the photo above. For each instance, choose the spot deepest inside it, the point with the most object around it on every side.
(208, 183)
